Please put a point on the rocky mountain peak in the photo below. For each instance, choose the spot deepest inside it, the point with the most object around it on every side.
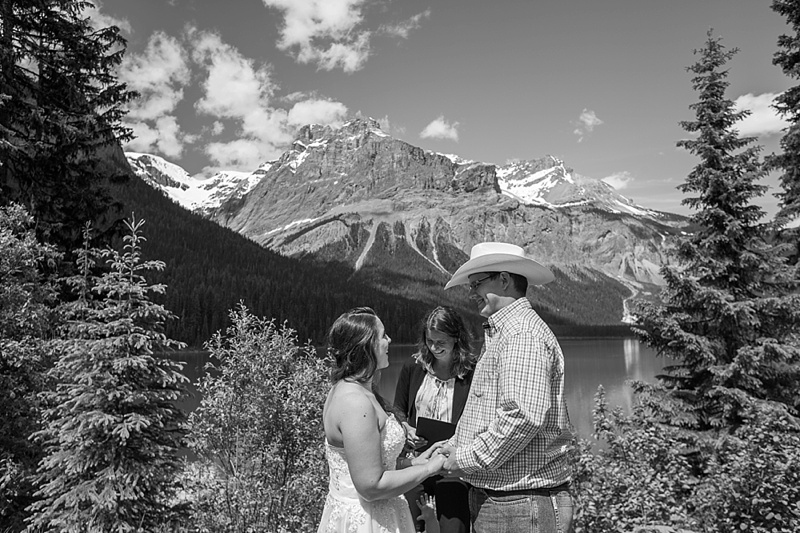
(312, 132)
(316, 133)
(361, 125)
(359, 196)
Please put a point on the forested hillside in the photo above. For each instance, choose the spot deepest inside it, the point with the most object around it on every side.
(210, 269)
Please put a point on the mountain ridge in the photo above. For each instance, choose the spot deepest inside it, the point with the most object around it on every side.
(339, 192)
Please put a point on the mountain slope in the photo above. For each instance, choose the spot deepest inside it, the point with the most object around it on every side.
(403, 218)
(210, 269)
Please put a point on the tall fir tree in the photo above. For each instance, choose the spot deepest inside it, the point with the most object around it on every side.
(60, 107)
(731, 312)
(788, 105)
(113, 432)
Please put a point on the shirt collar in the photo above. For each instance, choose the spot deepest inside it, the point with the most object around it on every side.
(502, 317)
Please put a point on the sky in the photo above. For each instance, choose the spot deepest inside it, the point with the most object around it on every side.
(600, 84)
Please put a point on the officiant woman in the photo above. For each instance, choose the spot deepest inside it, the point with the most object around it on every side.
(434, 383)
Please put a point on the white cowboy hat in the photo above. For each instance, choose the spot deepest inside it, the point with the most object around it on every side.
(500, 257)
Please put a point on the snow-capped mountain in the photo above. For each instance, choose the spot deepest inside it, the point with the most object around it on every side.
(204, 196)
(358, 196)
(547, 182)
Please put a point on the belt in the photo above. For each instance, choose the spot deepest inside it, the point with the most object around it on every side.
(544, 491)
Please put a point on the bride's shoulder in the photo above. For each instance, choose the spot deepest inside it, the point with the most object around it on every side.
(349, 397)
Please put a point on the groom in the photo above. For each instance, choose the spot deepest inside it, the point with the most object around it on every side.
(513, 443)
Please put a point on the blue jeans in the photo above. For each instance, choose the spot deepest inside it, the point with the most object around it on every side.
(518, 513)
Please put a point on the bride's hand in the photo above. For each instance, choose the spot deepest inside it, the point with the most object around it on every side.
(435, 465)
(425, 456)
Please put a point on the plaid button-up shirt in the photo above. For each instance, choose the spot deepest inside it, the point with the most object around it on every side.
(515, 432)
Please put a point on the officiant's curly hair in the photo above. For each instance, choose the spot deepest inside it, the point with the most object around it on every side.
(447, 320)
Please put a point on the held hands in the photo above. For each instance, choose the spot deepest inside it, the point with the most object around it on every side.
(450, 466)
(431, 459)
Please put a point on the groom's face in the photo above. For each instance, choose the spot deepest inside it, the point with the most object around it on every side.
(483, 290)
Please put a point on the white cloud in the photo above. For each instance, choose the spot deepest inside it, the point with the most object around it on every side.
(440, 129)
(159, 74)
(332, 33)
(317, 111)
(100, 20)
(325, 32)
(235, 88)
(404, 29)
(619, 180)
(387, 126)
(243, 154)
(586, 123)
(244, 123)
(763, 120)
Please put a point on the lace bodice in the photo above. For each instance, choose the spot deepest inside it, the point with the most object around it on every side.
(345, 511)
(393, 437)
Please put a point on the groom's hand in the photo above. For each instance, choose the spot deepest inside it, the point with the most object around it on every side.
(450, 467)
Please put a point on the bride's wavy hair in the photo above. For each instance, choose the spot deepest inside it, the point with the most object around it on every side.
(352, 342)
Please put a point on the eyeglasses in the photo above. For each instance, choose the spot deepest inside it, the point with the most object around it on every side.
(473, 285)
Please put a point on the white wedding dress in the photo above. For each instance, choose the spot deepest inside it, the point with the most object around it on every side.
(346, 512)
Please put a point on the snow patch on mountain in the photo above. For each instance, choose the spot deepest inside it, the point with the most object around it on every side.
(412, 242)
(193, 193)
(367, 247)
(548, 183)
(457, 159)
(532, 185)
(294, 224)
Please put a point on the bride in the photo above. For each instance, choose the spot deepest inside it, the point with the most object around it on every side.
(362, 439)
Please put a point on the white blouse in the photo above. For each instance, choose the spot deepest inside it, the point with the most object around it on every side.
(435, 398)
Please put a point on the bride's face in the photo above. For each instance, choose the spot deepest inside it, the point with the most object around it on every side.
(382, 346)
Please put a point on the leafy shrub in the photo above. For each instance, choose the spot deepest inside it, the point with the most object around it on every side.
(258, 431)
(652, 476)
(27, 319)
(643, 475)
(753, 479)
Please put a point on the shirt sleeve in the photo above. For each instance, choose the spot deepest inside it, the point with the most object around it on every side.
(523, 395)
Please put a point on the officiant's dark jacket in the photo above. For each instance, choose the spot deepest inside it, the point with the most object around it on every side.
(408, 385)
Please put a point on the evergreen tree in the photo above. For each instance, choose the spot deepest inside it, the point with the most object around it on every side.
(60, 106)
(27, 319)
(788, 105)
(112, 432)
(731, 312)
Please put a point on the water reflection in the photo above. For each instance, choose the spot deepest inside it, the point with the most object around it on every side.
(589, 363)
(608, 362)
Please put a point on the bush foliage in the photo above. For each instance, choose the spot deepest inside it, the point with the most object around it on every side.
(27, 318)
(650, 474)
(258, 431)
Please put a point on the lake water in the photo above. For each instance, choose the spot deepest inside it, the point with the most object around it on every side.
(589, 363)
